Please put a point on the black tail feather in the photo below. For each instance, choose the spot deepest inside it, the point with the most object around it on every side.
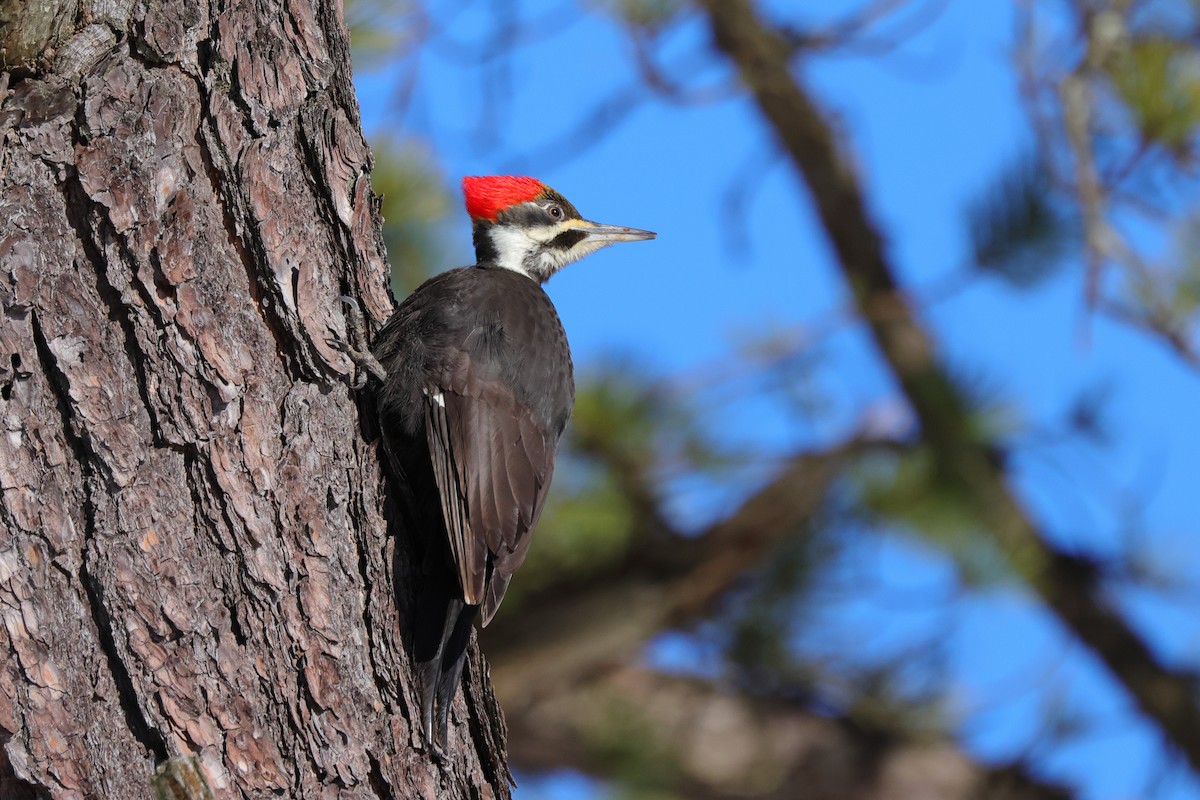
(439, 621)
(454, 655)
(441, 634)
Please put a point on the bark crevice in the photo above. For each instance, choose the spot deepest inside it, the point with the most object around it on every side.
(252, 263)
(135, 718)
(79, 206)
(13, 787)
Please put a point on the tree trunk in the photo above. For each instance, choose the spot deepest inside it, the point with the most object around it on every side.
(194, 554)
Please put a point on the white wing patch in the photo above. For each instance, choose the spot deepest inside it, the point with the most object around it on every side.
(436, 397)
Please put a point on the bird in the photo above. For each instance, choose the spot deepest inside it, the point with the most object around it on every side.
(475, 385)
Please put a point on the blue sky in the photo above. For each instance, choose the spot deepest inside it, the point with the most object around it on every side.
(929, 126)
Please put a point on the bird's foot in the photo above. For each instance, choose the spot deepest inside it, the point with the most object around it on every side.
(440, 757)
(356, 348)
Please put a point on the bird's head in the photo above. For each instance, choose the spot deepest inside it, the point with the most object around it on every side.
(522, 224)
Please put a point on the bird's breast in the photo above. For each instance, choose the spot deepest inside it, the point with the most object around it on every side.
(491, 324)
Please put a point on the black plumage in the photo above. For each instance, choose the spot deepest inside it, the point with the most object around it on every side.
(478, 391)
(475, 389)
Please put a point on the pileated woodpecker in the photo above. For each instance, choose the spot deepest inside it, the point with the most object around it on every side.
(476, 388)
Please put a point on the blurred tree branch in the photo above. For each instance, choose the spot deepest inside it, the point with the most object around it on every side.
(563, 670)
(1071, 585)
(592, 622)
(710, 742)
(626, 571)
(1124, 112)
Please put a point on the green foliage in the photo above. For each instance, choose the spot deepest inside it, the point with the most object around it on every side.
(631, 421)
(587, 524)
(1183, 288)
(627, 434)
(1166, 297)
(625, 742)
(1185, 291)
(903, 489)
(619, 412)
(880, 703)
(610, 447)
(377, 31)
(1016, 232)
(766, 618)
(415, 206)
(1158, 79)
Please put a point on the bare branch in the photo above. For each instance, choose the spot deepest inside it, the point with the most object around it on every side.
(856, 34)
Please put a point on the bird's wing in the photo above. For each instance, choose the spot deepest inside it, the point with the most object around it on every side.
(492, 463)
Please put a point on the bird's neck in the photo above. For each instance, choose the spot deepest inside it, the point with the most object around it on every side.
(512, 248)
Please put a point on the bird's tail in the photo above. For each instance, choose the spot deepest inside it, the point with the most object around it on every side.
(440, 649)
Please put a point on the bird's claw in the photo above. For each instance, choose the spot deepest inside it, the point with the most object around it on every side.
(357, 348)
(439, 755)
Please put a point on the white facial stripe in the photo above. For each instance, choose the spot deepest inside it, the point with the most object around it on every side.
(554, 260)
(543, 234)
(512, 244)
(515, 246)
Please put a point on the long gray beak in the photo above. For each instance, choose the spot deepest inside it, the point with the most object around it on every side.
(614, 233)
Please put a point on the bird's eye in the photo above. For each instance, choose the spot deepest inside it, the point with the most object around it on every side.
(555, 212)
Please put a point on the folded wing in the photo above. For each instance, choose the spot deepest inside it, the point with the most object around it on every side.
(492, 463)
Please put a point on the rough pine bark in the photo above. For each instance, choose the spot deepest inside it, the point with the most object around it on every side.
(194, 554)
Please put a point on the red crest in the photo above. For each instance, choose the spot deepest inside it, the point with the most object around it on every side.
(487, 196)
